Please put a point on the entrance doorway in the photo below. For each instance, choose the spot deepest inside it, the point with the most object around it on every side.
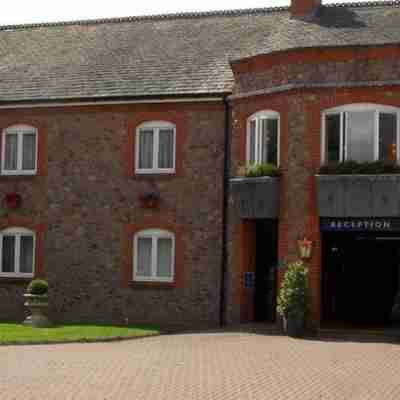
(360, 278)
(265, 270)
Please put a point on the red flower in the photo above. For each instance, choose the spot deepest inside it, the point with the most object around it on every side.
(13, 200)
(149, 200)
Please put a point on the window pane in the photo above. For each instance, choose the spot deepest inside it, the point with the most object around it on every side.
(166, 148)
(360, 135)
(8, 253)
(144, 257)
(11, 151)
(26, 257)
(387, 137)
(146, 142)
(269, 141)
(332, 145)
(29, 151)
(164, 258)
(252, 143)
(264, 138)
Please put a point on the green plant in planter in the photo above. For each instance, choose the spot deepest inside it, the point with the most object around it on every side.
(294, 298)
(36, 301)
(354, 167)
(38, 287)
(258, 170)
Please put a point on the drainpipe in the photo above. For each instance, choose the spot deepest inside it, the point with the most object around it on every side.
(224, 261)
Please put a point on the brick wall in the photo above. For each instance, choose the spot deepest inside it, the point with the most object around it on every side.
(86, 199)
(299, 8)
(300, 112)
(313, 66)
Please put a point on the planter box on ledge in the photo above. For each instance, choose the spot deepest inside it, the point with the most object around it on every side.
(358, 195)
(256, 197)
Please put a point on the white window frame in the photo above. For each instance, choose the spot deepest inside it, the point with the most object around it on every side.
(155, 126)
(257, 117)
(153, 234)
(20, 131)
(377, 108)
(17, 233)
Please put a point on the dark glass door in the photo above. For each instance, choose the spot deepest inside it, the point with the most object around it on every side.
(266, 262)
(360, 278)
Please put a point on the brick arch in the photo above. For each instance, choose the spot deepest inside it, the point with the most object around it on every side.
(41, 128)
(328, 99)
(174, 117)
(13, 221)
(128, 233)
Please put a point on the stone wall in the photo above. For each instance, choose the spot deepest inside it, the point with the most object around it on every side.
(85, 198)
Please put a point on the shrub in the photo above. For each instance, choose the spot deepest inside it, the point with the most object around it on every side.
(258, 170)
(294, 296)
(354, 167)
(38, 287)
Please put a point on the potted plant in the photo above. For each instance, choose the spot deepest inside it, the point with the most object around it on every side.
(293, 299)
(36, 300)
(257, 191)
(259, 170)
(352, 189)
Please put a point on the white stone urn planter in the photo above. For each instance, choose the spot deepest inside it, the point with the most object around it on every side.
(38, 306)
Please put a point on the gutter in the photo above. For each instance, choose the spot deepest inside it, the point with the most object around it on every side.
(73, 102)
(224, 261)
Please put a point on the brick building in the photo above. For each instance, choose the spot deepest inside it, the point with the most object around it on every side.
(121, 144)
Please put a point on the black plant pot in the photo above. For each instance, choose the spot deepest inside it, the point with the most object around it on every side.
(295, 326)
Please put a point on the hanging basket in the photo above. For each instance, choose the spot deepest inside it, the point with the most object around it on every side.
(12, 200)
(149, 200)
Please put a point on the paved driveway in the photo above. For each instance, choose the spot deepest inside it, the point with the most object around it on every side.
(202, 366)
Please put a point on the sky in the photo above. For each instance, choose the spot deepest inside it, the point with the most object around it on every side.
(28, 11)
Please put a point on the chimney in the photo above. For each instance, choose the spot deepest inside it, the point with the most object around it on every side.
(304, 8)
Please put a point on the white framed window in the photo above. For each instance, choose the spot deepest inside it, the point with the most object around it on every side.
(19, 150)
(155, 148)
(17, 253)
(263, 138)
(360, 132)
(154, 256)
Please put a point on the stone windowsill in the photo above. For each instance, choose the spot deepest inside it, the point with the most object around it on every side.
(9, 279)
(152, 285)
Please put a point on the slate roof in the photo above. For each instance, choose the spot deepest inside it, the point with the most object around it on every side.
(182, 54)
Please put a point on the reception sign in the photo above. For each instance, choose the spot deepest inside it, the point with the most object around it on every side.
(360, 224)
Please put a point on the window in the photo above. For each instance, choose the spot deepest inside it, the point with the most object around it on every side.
(154, 256)
(155, 147)
(361, 132)
(263, 138)
(19, 150)
(17, 252)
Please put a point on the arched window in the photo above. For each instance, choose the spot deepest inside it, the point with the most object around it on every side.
(263, 132)
(360, 132)
(154, 256)
(155, 147)
(19, 150)
(17, 252)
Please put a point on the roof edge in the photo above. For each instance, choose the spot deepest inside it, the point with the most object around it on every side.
(190, 14)
(237, 61)
(117, 100)
(151, 17)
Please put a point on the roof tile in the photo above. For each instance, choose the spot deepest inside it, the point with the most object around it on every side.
(170, 55)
